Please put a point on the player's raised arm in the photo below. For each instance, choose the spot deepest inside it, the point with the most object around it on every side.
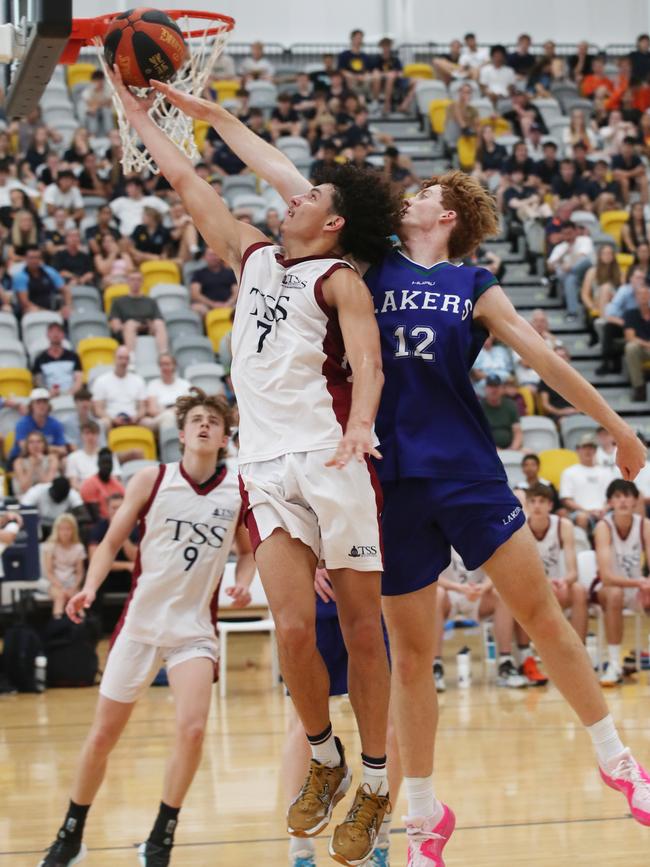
(222, 232)
(495, 311)
(263, 158)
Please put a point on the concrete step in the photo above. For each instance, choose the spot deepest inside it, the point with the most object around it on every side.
(588, 369)
(398, 126)
(530, 297)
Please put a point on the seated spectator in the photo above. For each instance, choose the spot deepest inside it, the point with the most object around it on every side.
(40, 287)
(119, 396)
(150, 240)
(567, 186)
(599, 285)
(390, 76)
(462, 117)
(257, 123)
(213, 286)
(502, 415)
(552, 403)
(303, 98)
(622, 542)
(285, 120)
(358, 157)
(490, 158)
(359, 131)
(520, 161)
(272, 226)
(104, 226)
(56, 368)
(120, 575)
(530, 465)
(256, 67)
(96, 489)
(185, 240)
(578, 132)
(38, 418)
(10, 524)
(73, 425)
(539, 320)
(548, 167)
(602, 194)
(35, 464)
(472, 59)
(53, 499)
(64, 560)
(113, 263)
(624, 300)
(357, 67)
(83, 463)
(78, 149)
(524, 114)
(606, 452)
(56, 228)
(497, 79)
(91, 178)
(23, 235)
(583, 486)
(629, 171)
(64, 193)
(642, 257)
(511, 391)
(570, 261)
(322, 77)
(226, 162)
(73, 263)
(328, 151)
(521, 60)
(398, 169)
(97, 105)
(636, 326)
(640, 59)
(129, 209)
(596, 83)
(135, 314)
(162, 393)
(494, 358)
(635, 231)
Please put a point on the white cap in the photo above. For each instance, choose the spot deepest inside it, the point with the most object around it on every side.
(39, 394)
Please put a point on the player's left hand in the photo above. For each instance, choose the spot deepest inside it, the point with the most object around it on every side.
(132, 103)
(355, 443)
(239, 595)
(630, 454)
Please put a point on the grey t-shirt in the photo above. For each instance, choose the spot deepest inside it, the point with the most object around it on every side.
(137, 307)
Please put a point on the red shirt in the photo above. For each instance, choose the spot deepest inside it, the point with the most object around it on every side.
(94, 490)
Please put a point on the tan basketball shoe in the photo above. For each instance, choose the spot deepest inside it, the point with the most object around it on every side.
(324, 787)
(355, 838)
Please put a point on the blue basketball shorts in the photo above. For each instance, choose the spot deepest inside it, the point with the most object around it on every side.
(330, 643)
(424, 518)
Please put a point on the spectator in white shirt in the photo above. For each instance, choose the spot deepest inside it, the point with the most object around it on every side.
(497, 78)
(471, 59)
(52, 499)
(119, 396)
(7, 184)
(82, 463)
(570, 260)
(97, 101)
(606, 452)
(162, 393)
(129, 209)
(256, 67)
(64, 193)
(583, 486)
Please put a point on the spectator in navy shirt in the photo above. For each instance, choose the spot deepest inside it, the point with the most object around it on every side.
(39, 418)
(629, 171)
(285, 120)
(521, 60)
(603, 193)
(150, 240)
(389, 67)
(641, 59)
(56, 368)
(213, 286)
(357, 67)
(40, 287)
(567, 186)
(548, 167)
(72, 263)
(636, 325)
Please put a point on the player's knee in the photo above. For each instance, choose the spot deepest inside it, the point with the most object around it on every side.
(365, 637)
(579, 594)
(409, 664)
(192, 733)
(295, 637)
(101, 740)
(615, 597)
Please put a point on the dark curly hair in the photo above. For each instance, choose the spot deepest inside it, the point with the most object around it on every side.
(370, 208)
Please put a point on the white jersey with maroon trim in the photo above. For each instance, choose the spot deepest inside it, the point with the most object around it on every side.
(627, 552)
(549, 546)
(288, 359)
(186, 534)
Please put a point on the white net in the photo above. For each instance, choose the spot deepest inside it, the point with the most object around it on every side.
(192, 77)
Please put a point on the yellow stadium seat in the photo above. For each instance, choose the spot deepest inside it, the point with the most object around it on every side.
(8, 442)
(529, 399)
(96, 350)
(467, 146)
(112, 292)
(218, 324)
(499, 124)
(418, 70)
(625, 262)
(226, 89)
(79, 73)
(159, 271)
(438, 114)
(201, 128)
(553, 462)
(15, 382)
(133, 436)
(612, 223)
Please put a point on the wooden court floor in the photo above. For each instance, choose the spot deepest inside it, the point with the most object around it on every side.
(515, 766)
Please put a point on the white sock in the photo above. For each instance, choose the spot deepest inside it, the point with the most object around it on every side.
(301, 846)
(606, 741)
(614, 651)
(374, 774)
(421, 798)
(324, 749)
(523, 652)
(384, 830)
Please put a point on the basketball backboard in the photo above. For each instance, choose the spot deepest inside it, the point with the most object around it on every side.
(41, 29)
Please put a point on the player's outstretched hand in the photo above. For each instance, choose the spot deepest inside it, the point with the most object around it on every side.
(132, 103)
(193, 106)
(323, 587)
(630, 455)
(79, 604)
(355, 443)
(239, 595)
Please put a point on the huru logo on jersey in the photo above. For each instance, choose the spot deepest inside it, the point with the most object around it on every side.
(363, 551)
(417, 299)
(511, 517)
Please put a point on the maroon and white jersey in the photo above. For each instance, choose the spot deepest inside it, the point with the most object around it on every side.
(628, 551)
(186, 534)
(549, 545)
(289, 369)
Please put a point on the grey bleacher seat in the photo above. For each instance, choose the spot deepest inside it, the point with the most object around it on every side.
(556, 127)
(85, 298)
(295, 147)
(192, 350)
(511, 461)
(206, 376)
(456, 85)
(170, 296)
(539, 432)
(34, 325)
(189, 268)
(251, 202)
(63, 408)
(148, 371)
(427, 90)
(549, 108)
(8, 326)
(563, 92)
(169, 446)
(12, 354)
(484, 107)
(585, 106)
(130, 468)
(146, 351)
(183, 323)
(87, 323)
(236, 184)
(263, 94)
(273, 199)
(573, 427)
(504, 104)
(508, 141)
(9, 418)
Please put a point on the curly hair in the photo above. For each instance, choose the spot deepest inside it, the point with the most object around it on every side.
(370, 208)
(198, 397)
(476, 213)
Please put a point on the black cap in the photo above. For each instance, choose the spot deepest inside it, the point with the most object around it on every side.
(493, 379)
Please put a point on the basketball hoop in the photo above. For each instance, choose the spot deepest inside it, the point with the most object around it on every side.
(206, 34)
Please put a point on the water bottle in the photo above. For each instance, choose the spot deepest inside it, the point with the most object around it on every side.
(40, 673)
(591, 645)
(464, 668)
(490, 654)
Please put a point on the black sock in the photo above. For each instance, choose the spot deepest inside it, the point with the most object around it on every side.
(162, 833)
(315, 740)
(75, 819)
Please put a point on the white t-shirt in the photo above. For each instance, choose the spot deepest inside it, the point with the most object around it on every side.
(49, 511)
(250, 66)
(586, 485)
(642, 482)
(498, 80)
(130, 211)
(71, 201)
(121, 393)
(473, 59)
(80, 465)
(166, 394)
(606, 459)
(571, 254)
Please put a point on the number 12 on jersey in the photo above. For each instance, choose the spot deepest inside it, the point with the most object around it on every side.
(423, 337)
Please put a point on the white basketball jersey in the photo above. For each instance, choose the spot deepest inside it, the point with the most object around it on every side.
(288, 370)
(628, 551)
(550, 548)
(186, 534)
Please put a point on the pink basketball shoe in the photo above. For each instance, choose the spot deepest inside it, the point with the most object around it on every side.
(426, 841)
(634, 781)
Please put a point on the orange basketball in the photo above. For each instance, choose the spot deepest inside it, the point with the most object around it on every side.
(144, 43)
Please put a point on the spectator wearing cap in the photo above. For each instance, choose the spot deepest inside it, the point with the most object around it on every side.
(118, 395)
(53, 499)
(40, 287)
(84, 462)
(583, 486)
(57, 368)
(494, 358)
(96, 489)
(135, 314)
(636, 325)
(64, 193)
(496, 78)
(523, 113)
(570, 261)
(553, 404)
(502, 415)
(38, 418)
(73, 263)
(624, 301)
(213, 286)
(629, 171)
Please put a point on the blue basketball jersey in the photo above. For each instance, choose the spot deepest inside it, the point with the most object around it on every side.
(430, 423)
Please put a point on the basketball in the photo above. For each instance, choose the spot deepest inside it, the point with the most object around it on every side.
(144, 43)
